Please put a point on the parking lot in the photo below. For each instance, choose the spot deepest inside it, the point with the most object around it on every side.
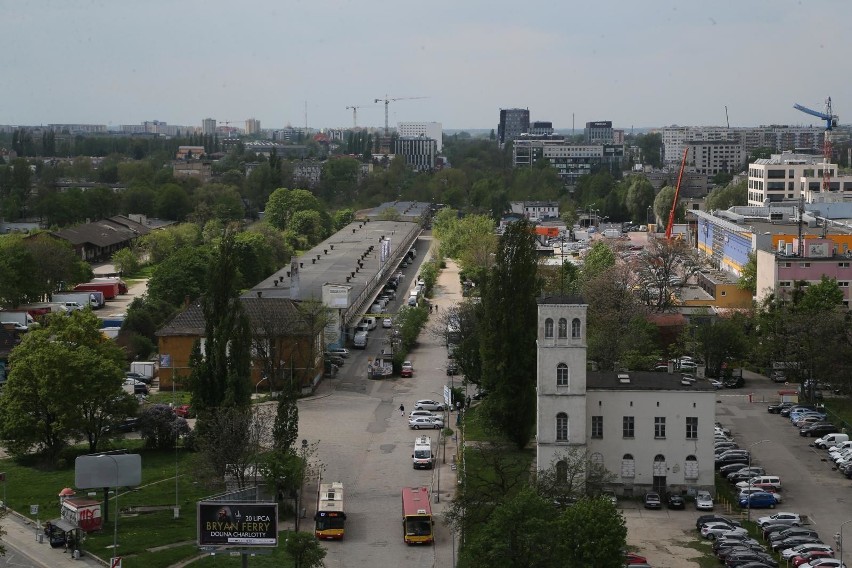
(810, 486)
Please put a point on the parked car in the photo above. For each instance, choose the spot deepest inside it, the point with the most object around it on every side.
(731, 456)
(652, 500)
(387, 323)
(738, 559)
(703, 501)
(746, 473)
(810, 556)
(758, 500)
(793, 541)
(778, 407)
(334, 359)
(452, 368)
(340, 351)
(414, 413)
(823, 563)
(717, 529)
(407, 369)
(704, 519)
(806, 548)
(138, 376)
(419, 422)
(786, 518)
(183, 411)
(818, 429)
(126, 425)
(675, 501)
(791, 532)
(429, 405)
(726, 470)
(633, 558)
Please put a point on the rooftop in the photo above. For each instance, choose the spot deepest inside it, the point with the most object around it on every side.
(643, 381)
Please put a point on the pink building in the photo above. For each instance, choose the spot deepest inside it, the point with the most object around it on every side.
(777, 272)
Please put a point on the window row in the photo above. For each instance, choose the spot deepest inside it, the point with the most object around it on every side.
(628, 426)
(628, 467)
(562, 328)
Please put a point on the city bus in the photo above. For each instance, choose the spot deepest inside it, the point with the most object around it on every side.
(416, 516)
(330, 515)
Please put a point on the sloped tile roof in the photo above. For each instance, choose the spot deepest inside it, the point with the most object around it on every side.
(276, 313)
(104, 233)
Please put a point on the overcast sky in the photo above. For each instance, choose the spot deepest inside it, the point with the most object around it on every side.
(649, 63)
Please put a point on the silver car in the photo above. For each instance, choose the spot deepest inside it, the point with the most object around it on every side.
(418, 422)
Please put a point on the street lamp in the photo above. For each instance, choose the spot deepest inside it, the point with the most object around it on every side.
(839, 537)
(748, 498)
(115, 521)
(302, 486)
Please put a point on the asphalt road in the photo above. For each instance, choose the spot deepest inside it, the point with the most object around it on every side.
(810, 486)
(367, 445)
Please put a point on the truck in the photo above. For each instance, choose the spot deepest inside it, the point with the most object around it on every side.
(122, 285)
(82, 298)
(21, 319)
(144, 368)
(43, 308)
(110, 289)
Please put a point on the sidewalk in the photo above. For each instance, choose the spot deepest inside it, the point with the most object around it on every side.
(21, 536)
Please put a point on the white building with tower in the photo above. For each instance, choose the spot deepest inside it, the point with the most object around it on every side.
(650, 430)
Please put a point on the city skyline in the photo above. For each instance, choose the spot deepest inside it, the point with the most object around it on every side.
(643, 65)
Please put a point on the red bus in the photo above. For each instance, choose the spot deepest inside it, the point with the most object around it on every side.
(416, 516)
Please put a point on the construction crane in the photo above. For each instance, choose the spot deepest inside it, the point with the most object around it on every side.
(387, 101)
(354, 110)
(676, 195)
(830, 122)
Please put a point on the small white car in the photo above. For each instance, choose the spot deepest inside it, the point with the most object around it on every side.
(717, 529)
(792, 519)
(416, 413)
(387, 323)
(418, 422)
(429, 405)
(339, 351)
(804, 549)
(704, 501)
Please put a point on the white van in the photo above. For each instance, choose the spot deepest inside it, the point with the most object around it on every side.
(761, 481)
(831, 440)
(423, 456)
(412, 300)
(360, 340)
(371, 323)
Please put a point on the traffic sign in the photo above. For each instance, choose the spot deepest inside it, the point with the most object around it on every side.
(115, 562)
(33, 509)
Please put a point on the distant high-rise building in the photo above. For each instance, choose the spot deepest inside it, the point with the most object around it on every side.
(513, 123)
(599, 132)
(431, 130)
(252, 127)
(419, 152)
(208, 126)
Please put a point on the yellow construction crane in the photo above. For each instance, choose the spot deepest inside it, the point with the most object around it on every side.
(387, 101)
(354, 110)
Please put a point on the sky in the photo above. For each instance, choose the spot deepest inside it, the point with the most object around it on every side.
(639, 64)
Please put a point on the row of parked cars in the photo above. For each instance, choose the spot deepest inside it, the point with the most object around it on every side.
(756, 488)
(783, 534)
(812, 421)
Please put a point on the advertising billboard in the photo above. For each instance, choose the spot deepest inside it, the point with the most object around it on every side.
(225, 523)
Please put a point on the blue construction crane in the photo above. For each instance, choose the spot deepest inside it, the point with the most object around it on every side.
(830, 119)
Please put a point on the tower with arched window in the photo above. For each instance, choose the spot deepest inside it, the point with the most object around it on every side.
(561, 378)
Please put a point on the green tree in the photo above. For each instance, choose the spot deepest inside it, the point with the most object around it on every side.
(220, 376)
(519, 533)
(284, 203)
(180, 277)
(310, 224)
(510, 323)
(651, 148)
(663, 205)
(125, 261)
(592, 533)
(748, 278)
(640, 196)
(722, 198)
(172, 202)
(160, 427)
(599, 258)
(718, 341)
(342, 218)
(304, 549)
(65, 385)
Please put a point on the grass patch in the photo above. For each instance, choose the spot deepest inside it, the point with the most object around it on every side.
(707, 558)
(168, 397)
(839, 411)
(476, 428)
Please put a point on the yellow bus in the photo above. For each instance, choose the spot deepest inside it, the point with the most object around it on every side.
(331, 515)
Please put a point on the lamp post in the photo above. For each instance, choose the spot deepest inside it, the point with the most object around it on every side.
(748, 509)
(840, 541)
(302, 486)
(115, 521)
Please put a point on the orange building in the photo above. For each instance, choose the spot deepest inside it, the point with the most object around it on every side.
(285, 345)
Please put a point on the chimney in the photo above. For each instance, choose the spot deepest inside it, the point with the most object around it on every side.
(313, 261)
(348, 278)
(325, 251)
(288, 274)
(275, 283)
(331, 247)
(259, 293)
(301, 265)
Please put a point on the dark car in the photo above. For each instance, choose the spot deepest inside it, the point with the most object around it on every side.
(794, 541)
(786, 411)
(140, 388)
(138, 376)
(818, 429)
(734, 383)
(126, 425)
(745, 474)
(731, 456)
(774, 528)
(727, 470)
(652, 500)
(726, 552)
(675, 501)
(704, 519)
(791, 532)
(740, 558)
(452, 368)
(778, 407)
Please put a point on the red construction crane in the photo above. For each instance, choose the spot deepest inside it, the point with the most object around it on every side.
(676, 195)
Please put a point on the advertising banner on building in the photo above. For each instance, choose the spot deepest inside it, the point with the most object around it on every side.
(225, 523)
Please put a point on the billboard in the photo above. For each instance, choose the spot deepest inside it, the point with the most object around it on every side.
(226, 523)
